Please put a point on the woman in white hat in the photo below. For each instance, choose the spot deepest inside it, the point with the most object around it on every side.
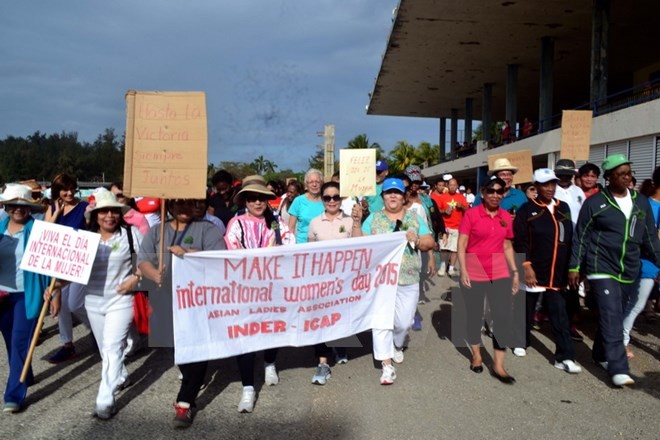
(21, 292)
(257, 228)
(108, 298)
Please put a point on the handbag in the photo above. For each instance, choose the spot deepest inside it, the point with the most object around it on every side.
(141, 308)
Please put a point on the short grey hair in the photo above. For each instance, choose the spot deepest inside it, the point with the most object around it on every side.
(313, 171)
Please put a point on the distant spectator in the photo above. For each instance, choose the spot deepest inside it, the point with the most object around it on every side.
(527, 128)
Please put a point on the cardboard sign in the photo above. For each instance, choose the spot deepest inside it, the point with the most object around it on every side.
(231, 302)
(357, 172)
(575, 134)
(166, 145)
(60, 251)
(521, 159)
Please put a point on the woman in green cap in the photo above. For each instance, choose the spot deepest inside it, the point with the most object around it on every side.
(615, 228)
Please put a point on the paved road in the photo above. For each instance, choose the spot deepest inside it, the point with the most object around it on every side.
(435, 395)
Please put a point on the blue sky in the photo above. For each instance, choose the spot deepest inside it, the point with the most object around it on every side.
(274, 71)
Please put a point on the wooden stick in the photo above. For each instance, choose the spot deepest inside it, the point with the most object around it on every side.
(37, 330)
(161, 251)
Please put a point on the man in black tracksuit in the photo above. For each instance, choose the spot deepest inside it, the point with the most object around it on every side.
(615, 228)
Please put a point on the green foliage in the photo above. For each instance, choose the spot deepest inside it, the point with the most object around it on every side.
(362, 141)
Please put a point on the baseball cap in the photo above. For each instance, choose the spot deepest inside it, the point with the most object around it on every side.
(381, 165)
(394, 183)
(544, 175)
(615, 160)
(414, 173)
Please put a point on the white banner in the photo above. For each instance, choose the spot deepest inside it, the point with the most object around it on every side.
(60, 251)
(231, 302)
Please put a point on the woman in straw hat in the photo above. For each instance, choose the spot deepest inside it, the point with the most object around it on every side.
(21, 292)
(257, 228)
(108, 301)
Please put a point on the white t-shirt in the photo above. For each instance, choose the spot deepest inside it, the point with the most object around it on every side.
(574, 197)
(112, 265)
(625, 203)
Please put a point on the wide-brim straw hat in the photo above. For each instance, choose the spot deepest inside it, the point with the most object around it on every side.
(106, 199)
(20, 195)
(254, 188)
(502, 164)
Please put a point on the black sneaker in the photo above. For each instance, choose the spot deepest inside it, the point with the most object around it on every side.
(63, 354)
(575, 335)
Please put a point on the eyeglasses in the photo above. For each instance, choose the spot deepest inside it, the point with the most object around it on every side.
(334, 198)
(254, 199)
(499, 192)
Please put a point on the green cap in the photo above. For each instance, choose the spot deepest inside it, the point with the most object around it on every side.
(615, 160)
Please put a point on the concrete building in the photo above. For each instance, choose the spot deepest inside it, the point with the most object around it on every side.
(510, 60)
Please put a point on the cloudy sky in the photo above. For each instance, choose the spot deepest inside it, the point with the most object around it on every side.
(274, 71)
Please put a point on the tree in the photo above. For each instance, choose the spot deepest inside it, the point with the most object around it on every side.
(425, 153)
(401, 156)
(263, 166)
(362, 141)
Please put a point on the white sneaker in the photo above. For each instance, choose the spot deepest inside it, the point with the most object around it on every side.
(398, 355)
(569, 366)
(271, 375)
(520, 352)
(246, 405)
(452, 272)
(389, 375)
(442, 270)
(621, 380)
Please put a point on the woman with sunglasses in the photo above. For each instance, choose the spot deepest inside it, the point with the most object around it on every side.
(20, 291)
(68, 210)
(485, 254)
(332, 224)
(388, 343)
(257, 228)
(182, 234)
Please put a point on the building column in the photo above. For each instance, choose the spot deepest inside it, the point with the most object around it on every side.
(467, 138)
(443, 139)
(486, 112)
(600, 25)
(512, 96)
(545, 84)
(453, 138)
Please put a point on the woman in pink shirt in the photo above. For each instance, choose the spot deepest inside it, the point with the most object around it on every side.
(485, 255)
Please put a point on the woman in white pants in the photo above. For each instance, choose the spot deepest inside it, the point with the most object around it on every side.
(108, 301)
(388, 344)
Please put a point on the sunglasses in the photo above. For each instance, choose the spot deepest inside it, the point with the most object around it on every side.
(491, 191)
(254, 199)
(334, 198)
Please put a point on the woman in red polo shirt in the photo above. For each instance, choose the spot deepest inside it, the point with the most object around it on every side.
(486, 253)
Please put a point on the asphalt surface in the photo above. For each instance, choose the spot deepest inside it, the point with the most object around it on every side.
(435, 396)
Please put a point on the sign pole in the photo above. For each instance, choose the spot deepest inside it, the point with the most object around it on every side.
(161, 249)
(37, 330)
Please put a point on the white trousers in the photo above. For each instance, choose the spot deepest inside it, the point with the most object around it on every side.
(404, 312)
(110, 327)
(633, 310)
(73, 302)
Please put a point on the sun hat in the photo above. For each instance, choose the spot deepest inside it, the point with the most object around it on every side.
(502, 164)
(381, 165)
(20, 195)
(105, 199)
(414, 173)
(32, 184)
(565, 167)
(253, 187)
(544, 175)
(254, 178)
(615, 160)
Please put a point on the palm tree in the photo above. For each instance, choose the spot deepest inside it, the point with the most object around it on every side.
(426, 154)
(263, 166)
(401, 156)
(362, 141)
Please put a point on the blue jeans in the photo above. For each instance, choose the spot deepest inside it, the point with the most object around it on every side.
(611, 297)
(17, 331)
